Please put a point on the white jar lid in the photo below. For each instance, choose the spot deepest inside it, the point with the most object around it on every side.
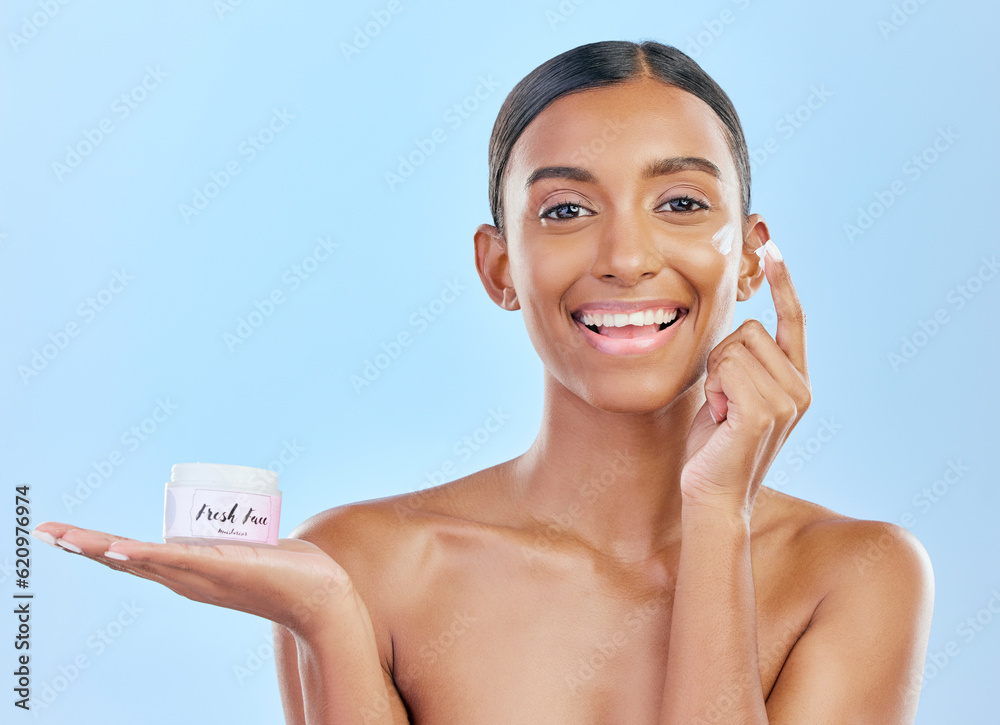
(238, 477)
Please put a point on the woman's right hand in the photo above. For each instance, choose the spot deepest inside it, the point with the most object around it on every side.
(295, 583)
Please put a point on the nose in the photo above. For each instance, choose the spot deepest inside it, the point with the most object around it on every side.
(627, 251)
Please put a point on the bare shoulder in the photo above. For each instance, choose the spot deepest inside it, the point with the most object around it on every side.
(380, 541)
(871, 588)
(368, 538)
(846, 551)
(381, 544)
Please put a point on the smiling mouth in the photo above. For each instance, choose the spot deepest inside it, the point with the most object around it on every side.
(608, 326)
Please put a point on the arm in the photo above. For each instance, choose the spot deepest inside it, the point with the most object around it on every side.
(756, 390)
(335, 689)
(323, 626)
(712, 670)
(335, 675)
(861, 658)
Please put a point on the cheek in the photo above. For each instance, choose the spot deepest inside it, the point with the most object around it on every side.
(546, 267)
(713, 274)
(543, 277)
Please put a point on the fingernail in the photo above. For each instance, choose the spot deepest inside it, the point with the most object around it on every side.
(115, 555)
(772, 249)
(43, 536)
(69, 546)
(713, 416)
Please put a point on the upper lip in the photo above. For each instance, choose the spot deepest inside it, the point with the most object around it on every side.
(627, 306)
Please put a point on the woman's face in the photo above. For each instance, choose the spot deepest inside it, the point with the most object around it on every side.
(620, 200)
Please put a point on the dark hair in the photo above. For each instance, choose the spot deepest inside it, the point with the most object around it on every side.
(605, 63)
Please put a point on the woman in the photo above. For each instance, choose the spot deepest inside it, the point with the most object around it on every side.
(628, 567)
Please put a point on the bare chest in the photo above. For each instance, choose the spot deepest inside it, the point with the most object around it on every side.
(494, 640)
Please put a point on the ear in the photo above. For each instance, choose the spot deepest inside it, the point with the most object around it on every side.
(493, 265)
(751, 274)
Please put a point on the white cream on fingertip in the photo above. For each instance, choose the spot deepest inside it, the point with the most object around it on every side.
(768, 247)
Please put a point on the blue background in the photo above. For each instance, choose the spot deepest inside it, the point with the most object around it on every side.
(894, 76)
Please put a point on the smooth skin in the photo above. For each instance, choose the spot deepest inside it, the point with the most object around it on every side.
(629, 567)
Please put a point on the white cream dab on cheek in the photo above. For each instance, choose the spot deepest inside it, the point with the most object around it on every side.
(723, 239)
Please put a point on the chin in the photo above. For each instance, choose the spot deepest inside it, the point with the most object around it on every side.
(630, 393)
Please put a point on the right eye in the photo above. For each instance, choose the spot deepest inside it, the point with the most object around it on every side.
(565, 210)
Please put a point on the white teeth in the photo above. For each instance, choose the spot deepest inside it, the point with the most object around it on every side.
(643, 317)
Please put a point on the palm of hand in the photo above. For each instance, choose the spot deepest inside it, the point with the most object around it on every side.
(291, 583)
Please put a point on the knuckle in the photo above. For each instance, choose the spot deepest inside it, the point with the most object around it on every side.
(764, 422)
(787, 409)
(757, 420)
(719, 353)
(791, 313)
(728, 364)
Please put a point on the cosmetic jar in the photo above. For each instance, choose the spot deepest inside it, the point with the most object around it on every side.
(215, 503)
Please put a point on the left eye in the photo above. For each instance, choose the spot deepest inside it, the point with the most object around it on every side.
(685, 204)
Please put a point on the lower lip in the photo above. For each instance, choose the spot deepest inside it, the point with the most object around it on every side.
(629, 346)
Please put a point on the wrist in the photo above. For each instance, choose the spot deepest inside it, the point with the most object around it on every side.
(327, 611)
(715, 511)
(340, 667)
(344, 637)
(729, 497)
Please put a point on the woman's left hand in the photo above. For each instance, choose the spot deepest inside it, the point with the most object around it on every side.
(757, 388)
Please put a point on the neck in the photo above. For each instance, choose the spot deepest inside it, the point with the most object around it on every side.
(610, 480)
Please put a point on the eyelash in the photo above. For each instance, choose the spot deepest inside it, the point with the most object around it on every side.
(685, 198)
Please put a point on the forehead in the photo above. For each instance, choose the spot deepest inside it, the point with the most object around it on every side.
(622, 125)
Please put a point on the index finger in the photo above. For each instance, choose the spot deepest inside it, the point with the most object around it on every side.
(791, 332)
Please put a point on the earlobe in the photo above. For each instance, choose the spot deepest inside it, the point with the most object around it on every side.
(493, 265)
(751, 274)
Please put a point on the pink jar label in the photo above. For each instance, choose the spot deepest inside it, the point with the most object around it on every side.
(219, 514)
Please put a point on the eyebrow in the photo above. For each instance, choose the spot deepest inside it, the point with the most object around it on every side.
(658, 167)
